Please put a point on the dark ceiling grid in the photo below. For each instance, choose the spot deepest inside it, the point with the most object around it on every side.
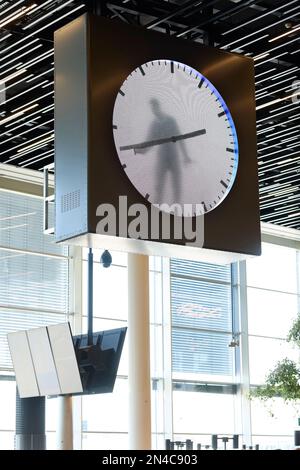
(266, 30)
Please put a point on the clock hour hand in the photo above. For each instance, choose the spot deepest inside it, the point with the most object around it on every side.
(152, 143)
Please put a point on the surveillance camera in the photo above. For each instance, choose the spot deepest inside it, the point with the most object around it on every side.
(106, 259)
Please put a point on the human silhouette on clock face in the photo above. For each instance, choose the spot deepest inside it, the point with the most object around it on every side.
(169, 154)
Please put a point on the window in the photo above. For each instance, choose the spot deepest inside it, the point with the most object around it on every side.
(273, 302)
(201, 320)
(105, 416)
(34, 270)
(203, 364)
(34, 287)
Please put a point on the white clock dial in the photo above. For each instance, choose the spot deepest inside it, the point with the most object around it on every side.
(175, 136)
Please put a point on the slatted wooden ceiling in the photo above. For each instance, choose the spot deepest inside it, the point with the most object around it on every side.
(267, 30)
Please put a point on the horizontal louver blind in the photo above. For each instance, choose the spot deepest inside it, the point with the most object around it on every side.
(35, 282)
(11, 321)
(201, 318)
(33, 270)
(197, 269)
(201, 352)
(200, 304)
(21, 224)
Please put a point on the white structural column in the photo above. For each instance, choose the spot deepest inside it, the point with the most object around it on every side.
(64, 433)
(139, 353)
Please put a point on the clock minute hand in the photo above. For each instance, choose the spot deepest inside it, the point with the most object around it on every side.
(152, 143)
(189, 135)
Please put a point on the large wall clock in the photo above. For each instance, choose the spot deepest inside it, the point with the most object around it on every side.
(175, 136)
(161, 121)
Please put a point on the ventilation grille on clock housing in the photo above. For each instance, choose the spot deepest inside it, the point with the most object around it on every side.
(70, 201)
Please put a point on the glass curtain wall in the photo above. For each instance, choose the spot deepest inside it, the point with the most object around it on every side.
(273, 303)
(197, 298)
(204, 384)
(105, 416)
(34, 291)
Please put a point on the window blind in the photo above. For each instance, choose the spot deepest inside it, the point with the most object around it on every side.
(201, 318)
(33, 270)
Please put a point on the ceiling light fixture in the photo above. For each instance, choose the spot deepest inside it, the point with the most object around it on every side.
(31, 129)
(13, 116)
(13, 75)
(33, 101)
(41, 18)
(263, 29)
(37, 160)
(48, 153)
(14, 5)
(19, 56)
(28, 142)
(259, 17)
(296, 28)
(42, 28)
(48, 139)
(261, 56)
(23, 93)
(271, 58)
(40, 75)
(276, 101)
(264, 73)
(40, 6)
(5, 37)
(15, 16)
(19, 49)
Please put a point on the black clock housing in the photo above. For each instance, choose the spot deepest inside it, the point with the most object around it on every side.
(93, 57)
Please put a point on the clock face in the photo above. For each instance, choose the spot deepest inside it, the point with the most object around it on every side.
(175, 136)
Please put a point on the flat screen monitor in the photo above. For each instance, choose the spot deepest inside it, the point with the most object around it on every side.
(98, 363)
(23, 365)
(43, 361)
(62, 346)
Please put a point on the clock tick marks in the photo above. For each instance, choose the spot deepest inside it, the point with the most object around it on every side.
(229, 155)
